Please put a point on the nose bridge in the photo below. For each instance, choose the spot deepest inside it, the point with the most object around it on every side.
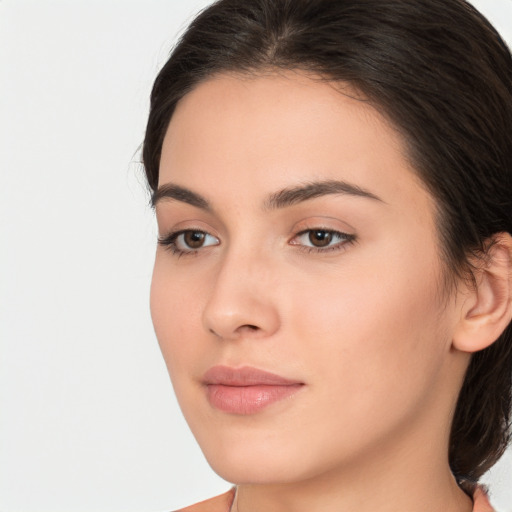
(241, 299)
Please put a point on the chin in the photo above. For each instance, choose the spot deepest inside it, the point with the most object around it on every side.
(254, 470)
(251, 457)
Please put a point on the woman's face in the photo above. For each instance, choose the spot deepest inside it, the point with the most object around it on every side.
(297, 241)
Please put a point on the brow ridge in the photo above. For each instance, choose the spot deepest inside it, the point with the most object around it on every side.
(277, 200)
(291, 196)
(182, 194)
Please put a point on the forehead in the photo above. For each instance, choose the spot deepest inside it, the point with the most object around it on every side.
(267, 131)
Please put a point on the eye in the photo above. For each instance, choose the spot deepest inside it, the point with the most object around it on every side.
(322, 239)
(188, 241)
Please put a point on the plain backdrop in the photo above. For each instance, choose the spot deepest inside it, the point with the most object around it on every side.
(88, 421)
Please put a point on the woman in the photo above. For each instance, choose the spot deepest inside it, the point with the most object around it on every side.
(332, 285)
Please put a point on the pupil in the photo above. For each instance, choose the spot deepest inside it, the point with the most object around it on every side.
(320, 238)
(194, 239)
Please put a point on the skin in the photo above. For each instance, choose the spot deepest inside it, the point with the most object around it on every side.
(365, 324)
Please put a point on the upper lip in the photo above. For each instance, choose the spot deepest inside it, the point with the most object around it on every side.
(244, 376)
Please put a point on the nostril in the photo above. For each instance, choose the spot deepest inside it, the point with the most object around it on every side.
(247, 328)
(238, 331)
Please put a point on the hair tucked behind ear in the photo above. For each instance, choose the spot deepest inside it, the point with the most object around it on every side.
(481, 425)
(440, 72)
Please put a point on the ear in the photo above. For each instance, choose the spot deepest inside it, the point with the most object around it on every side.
(487, 310)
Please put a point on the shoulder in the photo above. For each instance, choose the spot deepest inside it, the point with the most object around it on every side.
(223, 503)
(220, 503)
(481, 501)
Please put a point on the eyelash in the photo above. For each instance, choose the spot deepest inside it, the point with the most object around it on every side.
(346, 239)
(169, 241)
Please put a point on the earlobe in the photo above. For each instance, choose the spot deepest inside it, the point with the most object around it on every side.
(489, 310)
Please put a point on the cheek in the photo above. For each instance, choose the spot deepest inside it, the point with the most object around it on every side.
(374, 330)
(176, 314)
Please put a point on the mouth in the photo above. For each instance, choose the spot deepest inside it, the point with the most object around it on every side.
(246, 390)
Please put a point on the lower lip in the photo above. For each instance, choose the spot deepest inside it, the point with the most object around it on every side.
(245, 400)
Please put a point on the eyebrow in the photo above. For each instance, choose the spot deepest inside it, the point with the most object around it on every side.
(182, 194)
(290, 196)
(281, 199)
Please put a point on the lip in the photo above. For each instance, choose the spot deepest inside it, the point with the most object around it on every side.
(246, 390)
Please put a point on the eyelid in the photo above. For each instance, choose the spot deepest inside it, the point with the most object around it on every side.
(169, 241)
(346, 239)
(341, 239)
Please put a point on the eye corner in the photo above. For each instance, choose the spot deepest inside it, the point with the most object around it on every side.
(321, 240)
(188, 241)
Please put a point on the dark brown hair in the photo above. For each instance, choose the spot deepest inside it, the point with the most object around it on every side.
(441, 73)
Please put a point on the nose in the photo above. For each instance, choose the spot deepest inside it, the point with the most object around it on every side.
(242, 301)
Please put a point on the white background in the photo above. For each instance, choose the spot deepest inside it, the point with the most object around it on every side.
(88, 421)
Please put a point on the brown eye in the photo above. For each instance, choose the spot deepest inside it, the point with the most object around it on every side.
(194, 239)
(320, 238)
(187, 241)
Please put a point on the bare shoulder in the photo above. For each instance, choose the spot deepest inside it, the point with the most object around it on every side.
(220, 503)
(481, 500)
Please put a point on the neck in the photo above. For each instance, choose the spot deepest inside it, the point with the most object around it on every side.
(330, 494)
